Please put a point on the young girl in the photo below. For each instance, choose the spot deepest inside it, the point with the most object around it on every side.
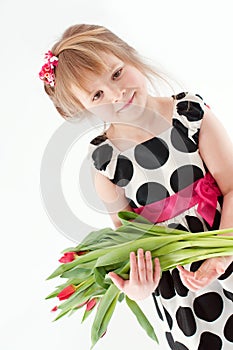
(166, 158)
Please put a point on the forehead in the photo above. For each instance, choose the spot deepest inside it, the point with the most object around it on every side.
(110, 62)
(109, 59)
(94, 77)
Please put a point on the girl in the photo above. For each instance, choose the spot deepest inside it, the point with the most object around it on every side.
(166, 158)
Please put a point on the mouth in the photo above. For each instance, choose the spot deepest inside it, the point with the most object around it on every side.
(127, 104)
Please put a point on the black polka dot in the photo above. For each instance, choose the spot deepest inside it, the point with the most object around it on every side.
(216, 223)
(194, 224)
(99, 139)
(177, 226)
(228, 294)
(151, 154)
(203, 306)
(180, 138)
(179, 287)
(151, 192)
(199, 96)
(157, 307)
(170, 340)
(180, 346)
(195, 137)
(180, 95)
(131, 202)
(166, 286)
(168, 317)
(210, 341)
(228, 329)
(102, 156)
(185, 176)
(195, 265)
(227, 273)
(186, 321)
(124, 171)
(191, 110)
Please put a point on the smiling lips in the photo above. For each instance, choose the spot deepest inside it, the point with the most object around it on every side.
(127, 103)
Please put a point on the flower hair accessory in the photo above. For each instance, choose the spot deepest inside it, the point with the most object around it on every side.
(47, 71)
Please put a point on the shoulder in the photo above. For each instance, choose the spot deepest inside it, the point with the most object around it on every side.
(189, 110)
(190, 105)
(103, 155)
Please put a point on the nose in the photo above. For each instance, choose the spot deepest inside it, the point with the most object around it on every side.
(117, 94)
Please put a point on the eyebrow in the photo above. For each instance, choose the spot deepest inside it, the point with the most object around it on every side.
(111, 68)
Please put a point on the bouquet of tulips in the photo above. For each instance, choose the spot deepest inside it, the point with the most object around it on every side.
(85, 267)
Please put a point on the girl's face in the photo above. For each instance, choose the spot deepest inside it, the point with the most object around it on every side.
(117, 95)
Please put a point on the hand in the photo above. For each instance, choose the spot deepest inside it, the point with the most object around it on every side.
(142, 280)
(210, 270)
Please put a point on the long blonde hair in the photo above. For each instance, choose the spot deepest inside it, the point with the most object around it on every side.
(79, 52)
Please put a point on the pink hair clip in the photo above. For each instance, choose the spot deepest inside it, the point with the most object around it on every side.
(47, 71)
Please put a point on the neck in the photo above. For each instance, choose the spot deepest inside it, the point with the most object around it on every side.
(150, 123)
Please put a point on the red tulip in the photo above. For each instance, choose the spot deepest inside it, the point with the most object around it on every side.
(54, 309)
(80, 305)
(66, 292)
(90, 304)
(81, 252)
(67, 257)
(103, 334)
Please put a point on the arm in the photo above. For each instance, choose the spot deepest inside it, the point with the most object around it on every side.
(216, 150)
(142, 280)
(112, 196)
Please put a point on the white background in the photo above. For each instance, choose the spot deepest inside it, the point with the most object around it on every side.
(191, 39)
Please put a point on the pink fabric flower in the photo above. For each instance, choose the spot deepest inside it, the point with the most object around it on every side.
(207, 188)
(207, 191)
(47, 71)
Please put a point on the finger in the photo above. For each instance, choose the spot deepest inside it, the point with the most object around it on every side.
(149, 267)
(141, 266)
(196, 285)
(184, 272)
(133, 275)
(190, 285)
(117, 280)
(157, 271)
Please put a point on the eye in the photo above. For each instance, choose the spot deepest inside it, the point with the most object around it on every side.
(97, 95)
(117, 73)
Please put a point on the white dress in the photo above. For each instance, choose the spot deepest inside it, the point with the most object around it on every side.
(153, 171)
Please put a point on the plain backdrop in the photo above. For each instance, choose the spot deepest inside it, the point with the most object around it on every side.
(190, 39)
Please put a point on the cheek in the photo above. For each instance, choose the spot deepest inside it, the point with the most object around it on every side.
(135, 78)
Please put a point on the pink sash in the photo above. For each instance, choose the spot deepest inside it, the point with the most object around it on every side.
(203, 192)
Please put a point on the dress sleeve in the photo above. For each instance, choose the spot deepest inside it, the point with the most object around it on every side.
(189, 111)
(103, 156)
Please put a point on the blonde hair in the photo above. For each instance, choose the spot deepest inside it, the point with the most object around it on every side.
(79, 52)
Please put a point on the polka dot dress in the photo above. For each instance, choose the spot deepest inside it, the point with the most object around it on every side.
(150, 172)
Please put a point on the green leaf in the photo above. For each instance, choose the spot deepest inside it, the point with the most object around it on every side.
(100, 273)
(88, 312)
(142, 319)
(122, 251)
(126, 216)
(93, 237)
(104, 312)
(121, 297)
(59, 288)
